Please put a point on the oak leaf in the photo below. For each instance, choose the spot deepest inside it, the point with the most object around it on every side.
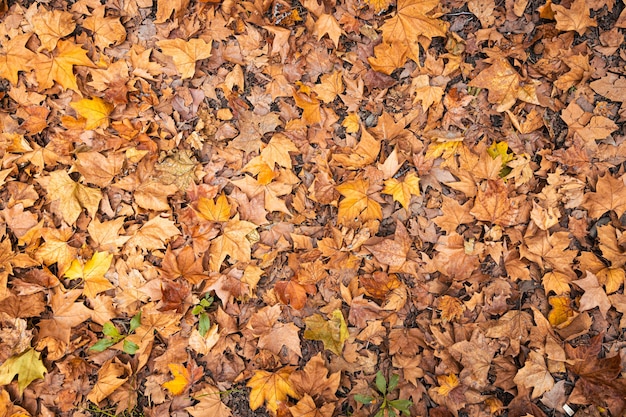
(92, 273)
(271, 388)
(28, 367)
(333, 333)
(185, 53)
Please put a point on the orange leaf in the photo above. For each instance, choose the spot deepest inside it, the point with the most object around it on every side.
(357, 203)
(95, 112)
(185, 53)
(59, 66)
(182, 378)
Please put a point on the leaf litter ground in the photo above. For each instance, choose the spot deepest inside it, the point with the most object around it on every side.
(274, 208)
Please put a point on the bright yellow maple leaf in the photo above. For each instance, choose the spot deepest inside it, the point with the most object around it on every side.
(92, 273)
(357, 203)
(182, 379)
(403, 190)
(185, 54)
(95, 111)
(351, 123)
(217, 210)
(232, 242)
(270, 388)
(59, 66)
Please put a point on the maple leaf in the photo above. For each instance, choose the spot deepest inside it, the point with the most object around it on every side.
(493, 204)
(277, 151)
(27, 366)
(610, 194)
(95, 112)
(50, 26)
(252, 128)
(232, 242)
(92, 273)
(333, 333)
(363, 154)
(182, 379)
(107, 30)
(16, 57)
(310, 106)
(576, 18)
(315, 381)
(72, 196)
(209, 403)
(410, 22)
(426, 93)
(185, 54)
(154, 234)
(454, 215)
(535, 374)
(306, 408)
(111, 376)
(327, 25)
(271, 388)
(56, 249)
(217, 210)
(272, 334)
(403, 190)
(594, 295)
(183, 264)
(561, 313)
(357, 203)
(292, 292)
(611, 86)
(503, 83)
(98, 169)
(59, 66)
(388, 57)
(54, 333)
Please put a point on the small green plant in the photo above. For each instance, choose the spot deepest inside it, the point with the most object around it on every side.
(200, 310)
(387, 407)
(113, 336)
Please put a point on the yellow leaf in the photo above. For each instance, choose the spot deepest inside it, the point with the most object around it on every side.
(277, 151)
(50, 26)
(333, 333)
(402, 191)
(561, 311)
(95, 111)
(59, 66)
(27, 366)
(72, 196)
(106, 30)
(232, 242)
(351, 123)
(185, 54)
(447, 383)
(16, 57)
(357, 203)
(215, 211)
(182, 378)
(270, 388)
(92, 273)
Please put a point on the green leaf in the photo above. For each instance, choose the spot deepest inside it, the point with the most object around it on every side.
(27, 366)
(363, 399)
(197, 310)
(135, 322)
(393, 382)
(110, 330)
(380, 413)
(130, 347)
(204, 324)
(401, 405)
(381, 383)
(103, 344)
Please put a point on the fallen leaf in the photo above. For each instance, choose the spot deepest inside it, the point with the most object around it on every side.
(27, 366)
(270, 388)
